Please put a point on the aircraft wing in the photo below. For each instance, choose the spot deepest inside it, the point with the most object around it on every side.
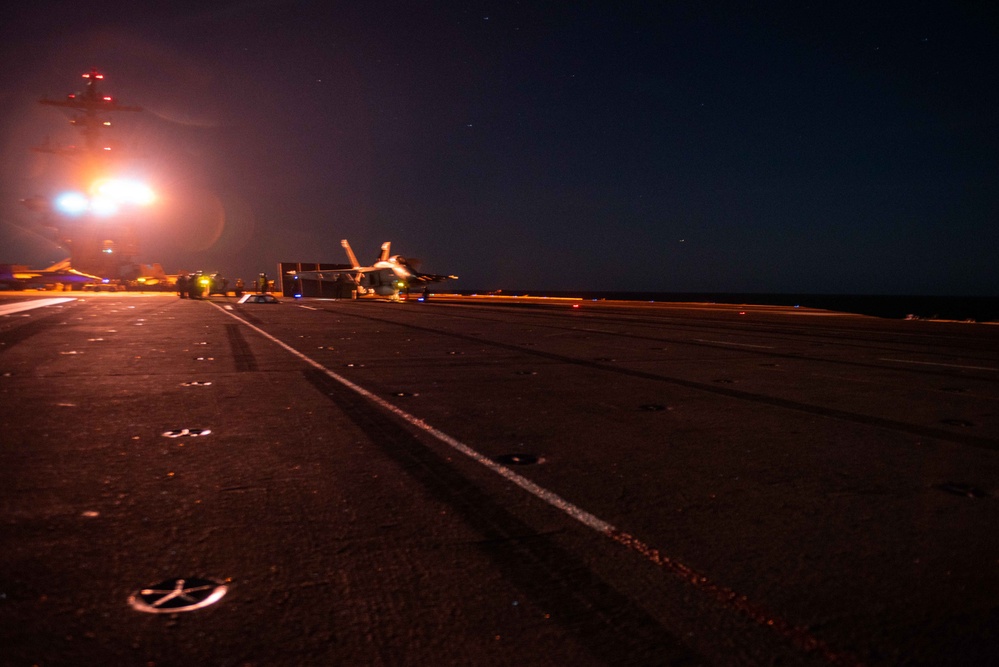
(424, 278)
(331, 274)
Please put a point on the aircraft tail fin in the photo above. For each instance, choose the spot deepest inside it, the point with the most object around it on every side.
(385, 251)
(61, 265)
(350, 254)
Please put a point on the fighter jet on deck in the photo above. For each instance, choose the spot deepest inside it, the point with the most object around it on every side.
(387, 277)
(13, 276)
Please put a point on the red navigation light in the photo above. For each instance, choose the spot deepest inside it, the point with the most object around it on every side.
(107, 98)
(72, 96)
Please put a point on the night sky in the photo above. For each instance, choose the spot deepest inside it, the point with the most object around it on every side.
(660, 146)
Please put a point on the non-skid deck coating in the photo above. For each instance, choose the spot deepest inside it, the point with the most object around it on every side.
(497, 482)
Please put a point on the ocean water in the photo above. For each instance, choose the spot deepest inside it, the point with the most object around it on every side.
(962, 308)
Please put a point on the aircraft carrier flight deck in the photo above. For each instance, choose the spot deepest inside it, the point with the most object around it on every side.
(493, 482)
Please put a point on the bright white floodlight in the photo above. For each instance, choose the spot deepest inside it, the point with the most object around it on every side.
(106, 198)
(125, 191)
(72, 203)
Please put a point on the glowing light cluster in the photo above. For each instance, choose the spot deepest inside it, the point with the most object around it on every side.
(107, 197)
(124, 191)
(72, 203)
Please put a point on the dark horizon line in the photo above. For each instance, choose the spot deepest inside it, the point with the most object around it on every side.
(948, 307)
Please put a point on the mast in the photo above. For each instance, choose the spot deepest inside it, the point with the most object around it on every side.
(101, 244)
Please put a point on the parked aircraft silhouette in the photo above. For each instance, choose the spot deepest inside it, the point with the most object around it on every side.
(388, 276)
